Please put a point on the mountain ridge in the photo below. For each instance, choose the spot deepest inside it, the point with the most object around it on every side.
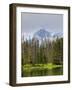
(42, 34)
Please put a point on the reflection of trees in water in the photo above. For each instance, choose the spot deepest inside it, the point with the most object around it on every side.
(43, 72)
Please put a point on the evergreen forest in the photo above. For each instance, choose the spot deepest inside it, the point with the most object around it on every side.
(43, 58)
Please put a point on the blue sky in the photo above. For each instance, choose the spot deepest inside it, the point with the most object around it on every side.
(32, 22)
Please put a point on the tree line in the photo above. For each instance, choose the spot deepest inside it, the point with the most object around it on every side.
(46, 51)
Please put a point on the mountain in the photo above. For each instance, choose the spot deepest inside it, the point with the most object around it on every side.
(44, 34)
(58, 35)
(41, 34)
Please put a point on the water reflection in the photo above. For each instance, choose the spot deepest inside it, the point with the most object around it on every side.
(42, 72)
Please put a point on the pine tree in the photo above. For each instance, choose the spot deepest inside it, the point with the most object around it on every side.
(58, 51)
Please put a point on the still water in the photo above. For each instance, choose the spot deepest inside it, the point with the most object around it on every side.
(42, 72)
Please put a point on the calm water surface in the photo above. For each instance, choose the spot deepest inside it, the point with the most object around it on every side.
(42, 72)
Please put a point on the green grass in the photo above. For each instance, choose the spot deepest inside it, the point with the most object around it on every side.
(41, 66)
(41, 69)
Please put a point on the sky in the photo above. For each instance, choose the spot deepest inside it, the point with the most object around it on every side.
(32, 22)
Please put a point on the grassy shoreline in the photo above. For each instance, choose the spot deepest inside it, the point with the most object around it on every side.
(41, 66)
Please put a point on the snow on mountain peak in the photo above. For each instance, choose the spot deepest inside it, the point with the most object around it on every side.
(42, 33)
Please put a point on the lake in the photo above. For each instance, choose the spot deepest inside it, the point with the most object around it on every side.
(37, 71)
